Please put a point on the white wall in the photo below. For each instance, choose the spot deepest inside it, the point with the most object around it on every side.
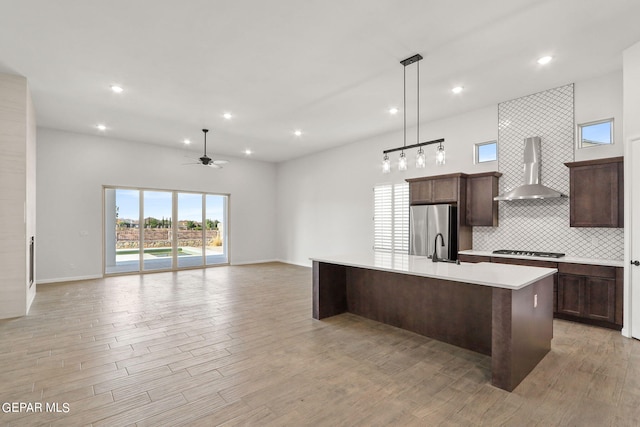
(598, 99)
(72, 168)
(325, 201)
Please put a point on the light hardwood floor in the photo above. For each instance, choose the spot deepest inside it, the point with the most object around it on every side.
(237, 346)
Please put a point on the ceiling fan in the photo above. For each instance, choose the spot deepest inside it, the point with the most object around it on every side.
(206, 160)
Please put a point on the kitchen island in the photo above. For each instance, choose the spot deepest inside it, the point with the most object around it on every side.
(504, 311)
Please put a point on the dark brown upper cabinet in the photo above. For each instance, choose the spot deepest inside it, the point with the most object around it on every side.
(597, 193)
(435, 189)
(481, 209)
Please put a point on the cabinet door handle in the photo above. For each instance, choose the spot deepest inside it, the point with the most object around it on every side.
(636, 263)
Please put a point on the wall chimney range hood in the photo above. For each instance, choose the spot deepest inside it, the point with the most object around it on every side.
(531, 189)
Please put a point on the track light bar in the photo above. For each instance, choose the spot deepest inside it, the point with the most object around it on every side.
(435, 141)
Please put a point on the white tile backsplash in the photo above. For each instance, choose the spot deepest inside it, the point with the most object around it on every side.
(542, 225)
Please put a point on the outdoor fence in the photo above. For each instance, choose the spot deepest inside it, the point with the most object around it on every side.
(129, 238)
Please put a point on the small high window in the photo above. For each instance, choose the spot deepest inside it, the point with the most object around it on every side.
(594, 134)
(486, 152)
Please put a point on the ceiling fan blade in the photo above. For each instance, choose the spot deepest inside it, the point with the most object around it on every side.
(213, 165)
(220, 162)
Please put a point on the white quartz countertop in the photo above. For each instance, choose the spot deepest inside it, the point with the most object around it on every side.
(567, 259)
(487, 274)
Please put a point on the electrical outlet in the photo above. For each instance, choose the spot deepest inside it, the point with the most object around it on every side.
(535, 300)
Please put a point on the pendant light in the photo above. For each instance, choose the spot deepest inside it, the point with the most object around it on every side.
(402, 162)
(440, 154)
(421, 160)
(386, 164)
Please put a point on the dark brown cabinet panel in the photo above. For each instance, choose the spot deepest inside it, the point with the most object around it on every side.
(597, 193)
(529, 262)
(435, 189)
(445, 190)
(570, 294)
(590, 292)
(473, 258)
(481, 209)
(421, 192)
(600, 299)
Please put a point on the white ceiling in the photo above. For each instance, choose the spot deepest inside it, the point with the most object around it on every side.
(329, 67)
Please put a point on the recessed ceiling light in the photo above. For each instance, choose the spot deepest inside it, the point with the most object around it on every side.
(457, 89)
(297, 132)
(227, 116)
(248, 152)
(101, 127)
(544, 60)
(187, 142)
(393, 110)
(117, 89)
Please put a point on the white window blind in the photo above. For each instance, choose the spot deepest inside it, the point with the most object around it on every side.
(383, 218)
(401, 218)
(391, 218)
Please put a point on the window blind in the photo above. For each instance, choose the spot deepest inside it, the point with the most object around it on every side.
(391, 218)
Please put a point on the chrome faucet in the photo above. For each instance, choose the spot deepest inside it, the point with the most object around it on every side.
(434, 257)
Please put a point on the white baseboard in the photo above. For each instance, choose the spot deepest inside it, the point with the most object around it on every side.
(300, 264)
(625, 332)
(259, 261)
(67, 279)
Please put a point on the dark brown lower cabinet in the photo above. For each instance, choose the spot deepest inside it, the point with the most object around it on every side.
(582, 292)
(591, 296)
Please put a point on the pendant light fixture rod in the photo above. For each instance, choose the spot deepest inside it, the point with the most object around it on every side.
(420, 144)
(404, 103)
(205, 140)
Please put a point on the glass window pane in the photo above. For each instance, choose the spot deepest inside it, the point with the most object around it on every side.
(597, 133)
(122, 235)
(189, 230)
(158, 252)
(487, 152)
(216, 232)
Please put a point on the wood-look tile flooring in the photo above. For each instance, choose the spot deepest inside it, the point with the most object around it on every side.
(237, 346)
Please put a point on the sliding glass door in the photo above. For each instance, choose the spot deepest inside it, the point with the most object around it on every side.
(190, 231)
(149, 230)
(122, 232)
(157, 239)
(216, 219)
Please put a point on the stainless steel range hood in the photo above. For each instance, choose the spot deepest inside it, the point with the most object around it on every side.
(531, 189)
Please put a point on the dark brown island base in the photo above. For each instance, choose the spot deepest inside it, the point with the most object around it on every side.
(504, 311)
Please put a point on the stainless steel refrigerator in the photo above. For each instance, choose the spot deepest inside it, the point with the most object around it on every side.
(425, 223)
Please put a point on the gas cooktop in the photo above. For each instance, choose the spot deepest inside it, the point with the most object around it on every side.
(529, 253)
